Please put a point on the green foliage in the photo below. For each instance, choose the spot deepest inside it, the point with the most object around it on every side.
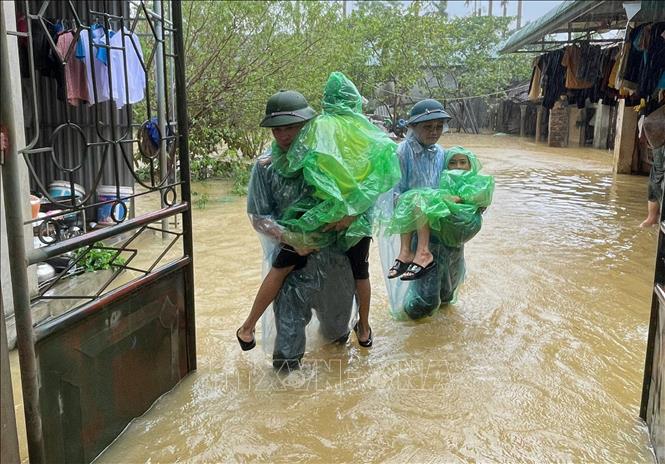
(98, 258)
(240, 174)
(240, 53)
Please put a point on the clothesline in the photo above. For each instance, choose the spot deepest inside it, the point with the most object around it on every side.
(460, 98)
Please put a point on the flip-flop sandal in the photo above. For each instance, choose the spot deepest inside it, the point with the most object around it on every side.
(246, 346)
(367, 343)
(417, 271)
(399, 267)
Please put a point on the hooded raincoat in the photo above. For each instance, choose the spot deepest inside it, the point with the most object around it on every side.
(325, 286)
(424, 197)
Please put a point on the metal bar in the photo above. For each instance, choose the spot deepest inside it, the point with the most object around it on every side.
(149, 12)
(183, 148)
(159, 92)
(658, 295)
(19, 272)
(70, 318)
(163, 253)
(42, 254)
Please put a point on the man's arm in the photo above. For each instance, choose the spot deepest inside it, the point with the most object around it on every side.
(260, 203)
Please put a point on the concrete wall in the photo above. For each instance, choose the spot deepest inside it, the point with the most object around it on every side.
(575, 132)
(14, 124)
(601, 126)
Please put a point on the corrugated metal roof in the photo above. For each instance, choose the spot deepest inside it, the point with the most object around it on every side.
(573, 16)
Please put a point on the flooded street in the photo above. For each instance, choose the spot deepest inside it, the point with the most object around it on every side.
(541, 360)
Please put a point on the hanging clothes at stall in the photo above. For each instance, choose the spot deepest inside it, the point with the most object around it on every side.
(573, 60)
(535, 90)
(554, 78)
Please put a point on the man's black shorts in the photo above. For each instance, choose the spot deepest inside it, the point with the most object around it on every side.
(358, 258)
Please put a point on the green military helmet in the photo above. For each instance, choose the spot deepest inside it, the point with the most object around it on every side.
(287, 107)
(427, 110)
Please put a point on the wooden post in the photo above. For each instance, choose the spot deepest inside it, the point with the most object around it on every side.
(522, 119)
(624, 141)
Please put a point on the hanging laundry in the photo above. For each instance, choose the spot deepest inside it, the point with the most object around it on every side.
(573, 60)
(75, 76)
(589, 66)
(130, 65)
(535, 91)
(97, 83)
(102, 52)
(553, 78)
(653, 64)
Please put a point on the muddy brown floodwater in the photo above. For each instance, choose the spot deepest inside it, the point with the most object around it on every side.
(541, 360)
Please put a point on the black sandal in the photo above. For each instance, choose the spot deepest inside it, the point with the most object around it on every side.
(417, 271)
(399, 267)
(246, 346)
(367, 343)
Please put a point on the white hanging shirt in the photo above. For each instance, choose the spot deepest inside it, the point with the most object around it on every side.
(92, 64)
(131, 65)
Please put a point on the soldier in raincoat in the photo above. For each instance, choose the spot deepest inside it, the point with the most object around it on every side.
(325, 284)
(439, 270)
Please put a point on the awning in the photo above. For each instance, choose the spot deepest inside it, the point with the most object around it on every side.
(582, 16)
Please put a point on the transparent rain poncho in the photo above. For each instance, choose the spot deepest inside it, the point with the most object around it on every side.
(416, 203)
(452, 222)
(348, 162)
(324, 287)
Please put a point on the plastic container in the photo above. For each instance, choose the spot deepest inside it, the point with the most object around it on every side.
(60, 191)
(61, 188)
(109, 193)
(35, 204)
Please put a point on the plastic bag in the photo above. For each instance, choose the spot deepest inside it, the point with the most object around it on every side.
(347, 160)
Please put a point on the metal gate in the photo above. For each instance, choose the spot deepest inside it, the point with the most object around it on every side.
(652, 409)
(109, 166)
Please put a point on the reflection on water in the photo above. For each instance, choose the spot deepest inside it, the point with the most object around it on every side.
(541, 360)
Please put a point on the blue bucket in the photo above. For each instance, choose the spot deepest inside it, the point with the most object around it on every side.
(109, 193)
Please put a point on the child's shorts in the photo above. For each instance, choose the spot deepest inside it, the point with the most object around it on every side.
(288, 257)
(358, 258)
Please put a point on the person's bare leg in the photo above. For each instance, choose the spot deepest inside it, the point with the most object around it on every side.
(405, 254)
(653, 209)
(423, 255)
(267, 293)
(364, 294)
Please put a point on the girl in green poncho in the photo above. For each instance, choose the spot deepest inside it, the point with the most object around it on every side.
(451, 212)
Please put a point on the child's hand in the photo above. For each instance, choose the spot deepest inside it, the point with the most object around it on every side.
(305, 251)
(342, 224)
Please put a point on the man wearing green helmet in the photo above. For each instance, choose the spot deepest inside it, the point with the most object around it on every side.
(323, 280)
